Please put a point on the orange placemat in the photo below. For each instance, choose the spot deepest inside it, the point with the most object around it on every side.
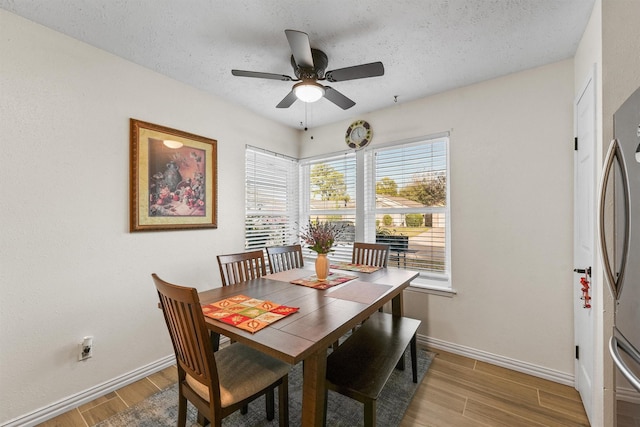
(362, 268)
(333, 279)
(247, 313)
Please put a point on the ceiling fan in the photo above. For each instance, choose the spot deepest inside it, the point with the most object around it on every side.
(309, 67)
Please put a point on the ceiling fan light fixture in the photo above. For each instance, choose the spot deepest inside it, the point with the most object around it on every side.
(308, 91)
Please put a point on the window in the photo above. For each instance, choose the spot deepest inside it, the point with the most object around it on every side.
(407, 197)
(396, 194)
(271, 199)
(328, 187)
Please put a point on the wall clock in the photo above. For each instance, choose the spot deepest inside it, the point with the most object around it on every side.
(359, 134)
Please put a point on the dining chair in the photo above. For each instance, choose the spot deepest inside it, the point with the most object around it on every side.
(242, 266)
(374, 254)
(219, 383)
(282, 258)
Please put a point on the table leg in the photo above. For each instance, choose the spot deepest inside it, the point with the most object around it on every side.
(397, 310)
(396, 305)
(313, 388)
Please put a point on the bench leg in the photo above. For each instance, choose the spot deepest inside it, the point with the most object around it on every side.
(270, 404)
(370, 413)
(283, 402)
(414, 358)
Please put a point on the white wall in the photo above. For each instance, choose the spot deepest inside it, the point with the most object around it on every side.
(511, 205)
(68, 265)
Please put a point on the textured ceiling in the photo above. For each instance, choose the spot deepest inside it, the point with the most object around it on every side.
(426, 46)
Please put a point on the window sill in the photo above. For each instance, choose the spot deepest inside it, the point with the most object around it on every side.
(432, 286)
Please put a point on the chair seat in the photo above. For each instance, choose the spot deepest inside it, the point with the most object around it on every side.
(242, 371)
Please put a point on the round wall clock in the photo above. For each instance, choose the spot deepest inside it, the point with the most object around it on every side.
(358, 134)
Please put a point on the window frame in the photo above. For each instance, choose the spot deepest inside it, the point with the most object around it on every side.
(285, 213)
(365, 204)
(440, 283)
(344, 249)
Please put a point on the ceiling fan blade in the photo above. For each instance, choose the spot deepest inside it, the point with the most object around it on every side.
(373, 69)
(288, 100)
(256, 74)
(337, 98)
(300, 48)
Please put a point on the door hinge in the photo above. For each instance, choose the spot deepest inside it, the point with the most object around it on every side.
(575, 143)
(577, 352)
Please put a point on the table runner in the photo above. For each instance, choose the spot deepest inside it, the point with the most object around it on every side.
(333, 279)
(361, 268)
(247, 313)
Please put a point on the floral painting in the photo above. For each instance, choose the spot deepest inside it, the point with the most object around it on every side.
(173, 179)
(176, 181)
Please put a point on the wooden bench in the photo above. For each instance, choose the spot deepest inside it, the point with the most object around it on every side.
(360, 367)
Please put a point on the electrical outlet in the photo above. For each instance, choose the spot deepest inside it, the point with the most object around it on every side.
(85, 348)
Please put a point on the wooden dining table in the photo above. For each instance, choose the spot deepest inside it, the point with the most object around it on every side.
(323, 317)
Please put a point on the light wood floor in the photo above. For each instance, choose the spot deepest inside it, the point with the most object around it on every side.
(456, 392)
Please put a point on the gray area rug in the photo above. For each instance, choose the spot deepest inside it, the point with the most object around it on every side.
(161, 409)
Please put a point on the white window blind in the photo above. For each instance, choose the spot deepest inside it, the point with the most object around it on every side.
(271, 199)
(329, 188)
(410, 204)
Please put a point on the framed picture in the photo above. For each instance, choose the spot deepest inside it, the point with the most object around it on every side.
(173, 179)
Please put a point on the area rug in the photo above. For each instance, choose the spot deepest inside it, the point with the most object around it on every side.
(161, 409)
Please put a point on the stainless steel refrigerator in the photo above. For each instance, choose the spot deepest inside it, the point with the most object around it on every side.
(620, 248)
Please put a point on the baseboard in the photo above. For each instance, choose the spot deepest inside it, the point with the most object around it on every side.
(628, 395)
(43, 414)
(494, 359)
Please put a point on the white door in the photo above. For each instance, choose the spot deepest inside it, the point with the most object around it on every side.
(584, 243)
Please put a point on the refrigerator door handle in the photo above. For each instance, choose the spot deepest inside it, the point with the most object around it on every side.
(614, 155)
(621, 342)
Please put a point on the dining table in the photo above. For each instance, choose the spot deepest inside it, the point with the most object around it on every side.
(323, 316)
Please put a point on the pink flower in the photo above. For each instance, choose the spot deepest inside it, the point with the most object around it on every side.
(320, 236)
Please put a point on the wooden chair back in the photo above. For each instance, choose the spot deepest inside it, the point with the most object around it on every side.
(235, 268)
(282, 258)
(190, 337)
(374, 254)
(216, 394)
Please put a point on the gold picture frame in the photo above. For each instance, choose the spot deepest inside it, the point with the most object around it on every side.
(173, 179)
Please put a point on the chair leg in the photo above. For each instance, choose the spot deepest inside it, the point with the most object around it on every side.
(326, 400)
(202, 420)
(244, 409)
(270, 403)
(182, 411)
(283, 402)
(370, 413)
(400, 364)
(414, 359)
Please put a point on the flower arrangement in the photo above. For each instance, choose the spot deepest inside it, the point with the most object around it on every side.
(320, 236)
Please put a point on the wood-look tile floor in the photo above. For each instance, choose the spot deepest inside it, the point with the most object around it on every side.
(456, 392)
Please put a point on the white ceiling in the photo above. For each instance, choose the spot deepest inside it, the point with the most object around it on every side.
(426, 46)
